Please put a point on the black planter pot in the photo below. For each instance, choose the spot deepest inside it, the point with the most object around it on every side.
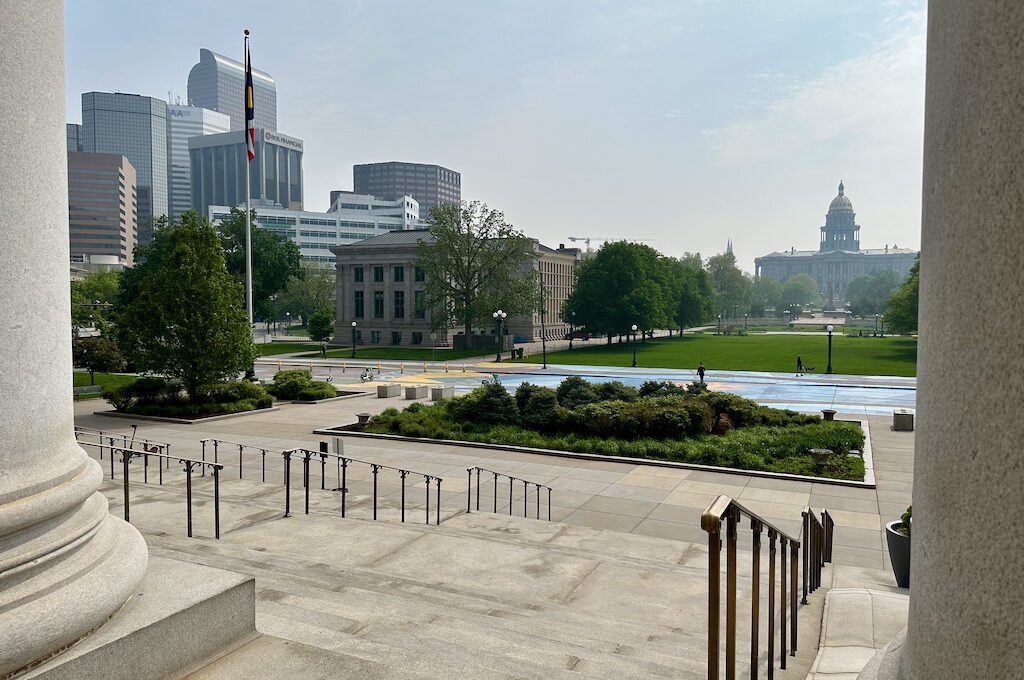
(899, 553)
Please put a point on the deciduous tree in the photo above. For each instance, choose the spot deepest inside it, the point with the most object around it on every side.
(96, 354)
(321, 324)
(868, 294)
(901, 310)
(765, 294)
(731, 287)
(800, 290)
(182, 314)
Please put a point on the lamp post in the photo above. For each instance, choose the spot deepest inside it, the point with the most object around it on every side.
(287, 321)
(353, 339)
(499, 316)
(572, 329)
(829, 329)
(744, 323)
(881, 327)
(719, 325)
(634, 345)
(876, 326)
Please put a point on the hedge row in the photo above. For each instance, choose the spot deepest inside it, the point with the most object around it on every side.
(298, 385)
(153, 396)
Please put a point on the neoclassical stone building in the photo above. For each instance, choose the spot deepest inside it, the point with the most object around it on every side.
(839, 258)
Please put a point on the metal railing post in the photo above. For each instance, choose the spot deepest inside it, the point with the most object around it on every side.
(376, 469)
(549, 503)
(730, 595)
(240, 447)
(188, 495)
(478, 489)
(794, 565)
(771, 604)
(287, 455)
(426, 484)
(344, 484)
(469, 490)
(495, 492)
(714, 601)
(783, 601)
(305, 475)
(403, 474)
(203, 442)
(263, 465)
(538, 501)
(437, 481)
(323, 471)
(216, 502)
(755, 596)
(526, 496)
(510, 480)
(125, 457)
(111, 452)
(806, 557)
(160, 467)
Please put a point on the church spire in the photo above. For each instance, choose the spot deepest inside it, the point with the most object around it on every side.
(728, 247)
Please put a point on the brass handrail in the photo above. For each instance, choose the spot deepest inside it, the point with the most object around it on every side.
(815, 535)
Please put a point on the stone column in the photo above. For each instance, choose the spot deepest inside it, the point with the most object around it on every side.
(967, 584)
(66, 565)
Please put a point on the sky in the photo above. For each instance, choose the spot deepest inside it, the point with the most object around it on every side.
(683, 123)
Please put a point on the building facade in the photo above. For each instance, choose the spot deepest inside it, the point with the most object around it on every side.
(218, 170)
(102, 208)
(381, 288)
(839, 258)
(74, 132)
(184, 122)
(217, 83)
(135, 127)
(352, 218)
(430, 185)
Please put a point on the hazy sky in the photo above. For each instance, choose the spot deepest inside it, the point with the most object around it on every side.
(686, 122)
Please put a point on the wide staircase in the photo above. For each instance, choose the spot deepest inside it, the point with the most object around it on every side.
(479, 595)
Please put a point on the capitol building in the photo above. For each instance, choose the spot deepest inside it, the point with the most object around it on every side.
(839, 258)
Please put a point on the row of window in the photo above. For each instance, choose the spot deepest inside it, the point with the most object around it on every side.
(398, 272)
(359, 304)
(396, 337)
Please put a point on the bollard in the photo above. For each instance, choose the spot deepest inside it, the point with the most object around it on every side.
(424, 367)
(378, 367)
(401, 368)
(278, 365)
(446, 367)
(344, 366)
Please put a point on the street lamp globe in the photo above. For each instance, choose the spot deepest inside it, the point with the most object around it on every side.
(829, 328)
(634, 328)
(353, 324)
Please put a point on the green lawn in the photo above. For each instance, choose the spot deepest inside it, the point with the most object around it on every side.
(287, 347)
(850, 355)
(401, 353)
(103, 380)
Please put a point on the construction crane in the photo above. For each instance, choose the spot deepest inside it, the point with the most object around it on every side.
(587, 239)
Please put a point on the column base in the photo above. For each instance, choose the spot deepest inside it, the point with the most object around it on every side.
(887, 663)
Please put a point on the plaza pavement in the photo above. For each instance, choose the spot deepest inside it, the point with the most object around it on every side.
(641, 499)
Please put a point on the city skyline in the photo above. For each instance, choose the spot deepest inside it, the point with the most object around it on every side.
(686, 124)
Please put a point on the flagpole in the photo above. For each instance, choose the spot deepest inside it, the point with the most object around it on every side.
(248, 209)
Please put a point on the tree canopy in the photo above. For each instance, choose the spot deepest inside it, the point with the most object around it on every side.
(475, 263)
(691, 296)
(800, 291)
(96, 354)
(901, 309)
(182, 313)
(275, 259)
(732, 288)
(303, 295)
(92, 297)
(868, 294)
(765, 294)
(321, 324)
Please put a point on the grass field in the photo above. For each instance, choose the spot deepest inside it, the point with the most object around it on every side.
(103, 380)
(272, 348)
(850, 355)
(400, 353)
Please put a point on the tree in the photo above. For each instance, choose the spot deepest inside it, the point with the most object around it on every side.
(868, 294)
(691, 296)
(731, 287)
(275, 258)
(623, 284)
(182, 314)
(303, 295)
(321, 324)
(800, 290)
(475, 263)
(96, 354)
(92, 296)
(765, 294)
(901, 310)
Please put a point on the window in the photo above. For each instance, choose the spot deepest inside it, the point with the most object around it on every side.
(399, 274)
(358, 306)
(378, 304)
(357, 274)
(375, 337)
(419, 275)
(417, 338)
(419, 305)
(378, 274)
(399, 304)
(396, 338)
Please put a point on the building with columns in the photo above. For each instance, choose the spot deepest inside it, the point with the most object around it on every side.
(839, 258)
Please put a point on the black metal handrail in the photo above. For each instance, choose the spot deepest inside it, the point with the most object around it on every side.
(242, 448)
(120, 439)
(817, 549)
(127, 453)
(511, 482)
(343, 464)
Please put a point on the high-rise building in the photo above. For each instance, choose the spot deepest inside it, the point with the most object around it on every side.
(430, 185)
(184, 122)
(218, 170)
(74, 131)
(102, 210)
(217, 83)
(353, 217)
(135, 127)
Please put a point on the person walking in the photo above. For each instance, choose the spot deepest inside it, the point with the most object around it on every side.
(700, 371)
(323, 350)
(799, 365)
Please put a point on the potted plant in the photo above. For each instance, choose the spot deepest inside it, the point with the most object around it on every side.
(897, 535)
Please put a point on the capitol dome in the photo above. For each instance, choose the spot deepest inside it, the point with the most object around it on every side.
(840, 203)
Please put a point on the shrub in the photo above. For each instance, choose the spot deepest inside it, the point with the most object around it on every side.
(153, 388)
(288, 384)
(315, 390)
(659, 388)
(905, 523)
(118, 397)
(223, 393)
(616, 390)
(523, 393)
(496, 405)
(541, 409)
(574, 391)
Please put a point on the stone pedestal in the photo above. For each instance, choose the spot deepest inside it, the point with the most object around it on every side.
(442, 392)
(416, 392)
(967, 603)
(66, 565)
(388, 390)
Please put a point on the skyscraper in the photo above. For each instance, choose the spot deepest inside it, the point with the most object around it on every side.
(74, 131)
(101, 206)
(217, 83)
(184, 122)
(218, 170)
(135, 127)
(430, 185)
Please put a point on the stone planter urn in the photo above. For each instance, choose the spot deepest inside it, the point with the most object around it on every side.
(899, 553)
(821, 456)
